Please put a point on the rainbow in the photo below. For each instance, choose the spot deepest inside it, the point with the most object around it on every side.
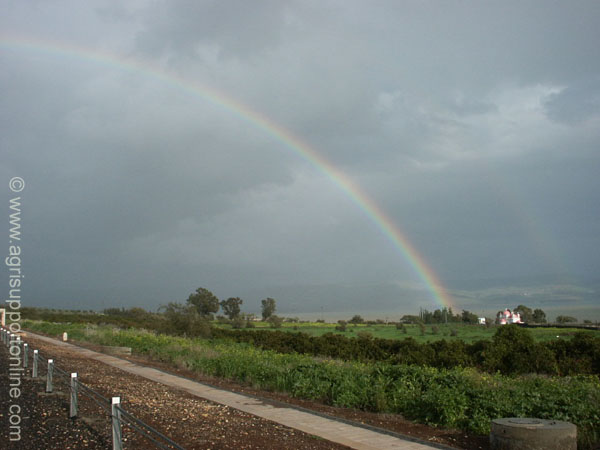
(365, 203)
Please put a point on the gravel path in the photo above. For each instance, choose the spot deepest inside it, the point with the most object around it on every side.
(191, 422)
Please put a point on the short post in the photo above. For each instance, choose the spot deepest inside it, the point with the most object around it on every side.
(25, 355)
(73, 406)
(34, 372)
(49, 375)
(116, 424)
(65, 336)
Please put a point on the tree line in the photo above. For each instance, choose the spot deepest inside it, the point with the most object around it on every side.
(446, 315)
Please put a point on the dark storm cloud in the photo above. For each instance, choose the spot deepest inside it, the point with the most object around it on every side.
(473, 126)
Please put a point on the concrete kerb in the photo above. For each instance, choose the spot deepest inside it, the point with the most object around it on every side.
(277, 404)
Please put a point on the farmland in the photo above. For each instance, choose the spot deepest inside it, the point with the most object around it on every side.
(432, 333)
(458, 397)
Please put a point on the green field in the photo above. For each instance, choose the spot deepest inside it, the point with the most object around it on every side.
(467, 333)
(461, 398)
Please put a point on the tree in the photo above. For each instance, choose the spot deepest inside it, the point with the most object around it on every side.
(231, 307)
(469, 317)
(184, 320)
(565, 319)
(268, 308)
(205, 302)
(356, 319)
(341, 325)
(539, 316)
(525, 313)
(407, 318)
(513, 350)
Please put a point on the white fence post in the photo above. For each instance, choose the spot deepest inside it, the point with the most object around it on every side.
(73, 406)
(25, 355)
(34, 372)
(49, 375)
(116, 424)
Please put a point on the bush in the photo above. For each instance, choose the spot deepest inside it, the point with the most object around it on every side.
(514, 351)
(238, 322)
(341, 326)
(275, 321)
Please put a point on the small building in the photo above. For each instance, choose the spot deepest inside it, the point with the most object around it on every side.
(481, 320)
(507, 317)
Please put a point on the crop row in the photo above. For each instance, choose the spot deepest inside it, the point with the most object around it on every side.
(452, 398)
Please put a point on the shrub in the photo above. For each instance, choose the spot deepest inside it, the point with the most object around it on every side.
(341, 326)
(238, 322)
(514, 351)
(275, 321)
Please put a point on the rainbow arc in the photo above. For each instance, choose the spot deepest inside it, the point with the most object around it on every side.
(255, 118)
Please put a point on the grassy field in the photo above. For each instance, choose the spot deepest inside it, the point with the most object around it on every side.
(468, 333)
(452, 398)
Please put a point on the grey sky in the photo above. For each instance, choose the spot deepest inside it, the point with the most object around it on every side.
(475, 126)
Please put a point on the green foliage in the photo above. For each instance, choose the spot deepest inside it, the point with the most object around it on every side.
(580, 355)
(275, 321)
(268, 307)
(356, 320)
(443, 315)
(514, 351)
(204, 301)
(184, 320)
(122, 317)
(564, 356)
(565, 319)
(231, 307)
(539, 316)
(238, 322)
(525, 313)
(341, 325)
(469, 317)
(411, 319)
(456, 397)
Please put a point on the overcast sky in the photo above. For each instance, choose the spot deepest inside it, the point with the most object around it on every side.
(474, 126)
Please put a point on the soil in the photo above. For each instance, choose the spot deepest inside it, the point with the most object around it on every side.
(202, 424)
(191, 422)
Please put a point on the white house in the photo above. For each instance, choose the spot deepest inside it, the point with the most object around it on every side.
(507, 317)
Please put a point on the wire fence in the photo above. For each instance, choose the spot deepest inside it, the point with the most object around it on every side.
(118, 415)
